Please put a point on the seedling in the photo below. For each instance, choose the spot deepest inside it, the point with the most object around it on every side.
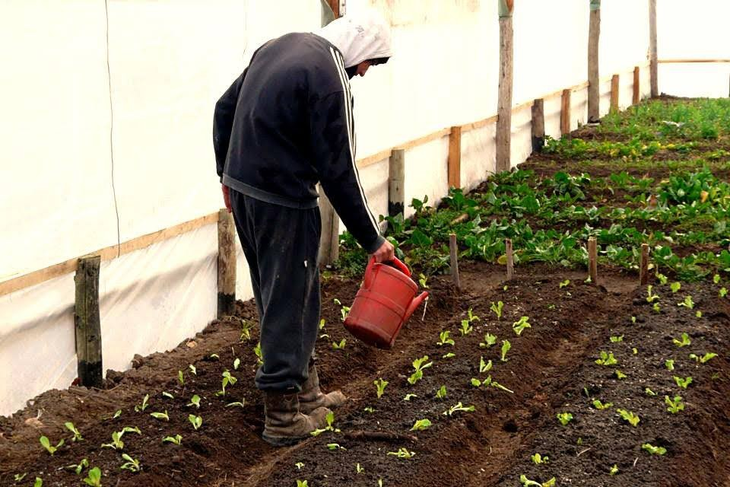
(565, 283)
(117, 413)
(635, 351)
(654, 450)
(675, 287)
(46, 443)
(657, 308)
(617, 339)
(698, 314)
(245, 331)
(521, 325)
(565, 418)
(632, 418)
(369, 409)
(344, 310)
(531, 483)
(359, 469)
(302, 483)
(299, 465)
(145, 403)
(19, 476)
(683, 342)
(423, 281)
(380, 384)
(683, 383)
(619, 375)
(484, 366)
(77, 436)
(236, 363)
(489, 340)
(475, 382)
(240, 404)
(227, 380)
(607, 359)
(79, 467)
(674, 406)
(167, 395)
(448, 355)
(408, 397)
(497, 385)
(419, 366)
(633, 320)
(669, 364)
(163, 416)
(131, 464)
(662, 279)
(321, 324)
(402, 453)
(497, 308)
(716, 278)
(193, 370)
(335, 446)
(723, 292)
(613, 471)
(444, 339)
(506, 345)
(650, 297)
(330, 418)
(704, 359)
(196, 421)
(441, 393)
(459, 407)
(117, 443)
(601, 406)
(472, 317)
(649, 392)
(259, 354)
(421, 425)
(38, 482)
(175, 440)
(538, 459)
(687, 303)
(214, 356)
(195, 401)
(339, 346)
(93, 478)
(180, 377)
(466, 327)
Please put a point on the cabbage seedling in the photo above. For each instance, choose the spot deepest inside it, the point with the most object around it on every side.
(77, 436)
(675, 287)
(489, 340)
(444, 339)
(241, 403)
(459, 407)
(175, 440)
(716, 278)
(79, 467)
(649, 392)
(656, 308)
(131, 464)
(335, 446)
(380, 384)
(601, 406)
(632, 418)
(93, 478)
(662, 279)
(448, 355)
(441, 393)
(650, 297)
(506, 345)
(565, 418)
(704, 359)
(145, 403)
(193, 370)
(499, 386)
(180, 377)
(408, 397)
(531, 483)
(484, 366)
(687, 303)
(466, 327)
(167, 395)
(613, 471)
(497, 308)
(259, 354)
(359, 469)
(607, 359)
(617, 339)
(538, 459)
(619, 375)
(402, 453)
(669, 364)
(321, 324)
(196, 421)
(330, 418)
(564, 283)
(236, 363)
(339, 346)
(654, 450)
(683, 383)
(302, 483)
(698, 314)
(299, 465)
(117, 413)
(419, 366)
(521, 325)
(675, 405)
(46, 443)
(19, 476)
(421, 425)
(723, 292)
(164, 416)
(344, 310)
(423, 281)
(195, 401)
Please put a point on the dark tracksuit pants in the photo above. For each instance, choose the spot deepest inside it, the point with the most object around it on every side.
(281, 245)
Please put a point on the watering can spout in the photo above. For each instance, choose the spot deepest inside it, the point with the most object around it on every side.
(415, 304)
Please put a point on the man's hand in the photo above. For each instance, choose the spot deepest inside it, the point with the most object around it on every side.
(385, 253)
(226, 198)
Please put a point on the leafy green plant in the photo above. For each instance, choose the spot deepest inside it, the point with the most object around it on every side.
(130, 464)
(649, 392)
(408, 397)
(167, 395)
(703, 359)
(531, 483)
(195, 401)
(601, 406)
(497, 308)
(656, 308)
(448, 355)
(344, 310)
(457, 408)
(46, 443)
(302, 483)
(421, 425)
(654, 450)
(650, 296)
(683, 383)
(163, 416)
(628, 416)
(380, 384)
(419, 365)
(359, 469)
(669, 364)
(196, 421)
(619, 375)
(675, 287)
(723, 292)
(687, 303)
(117, 443)
(19, 476)
(175, 440)
(607, 358)
(236, 363)
(144, 404)
(506, 345)
(193, 369)
(444, 339)
(489, 340)
(716, 278)
(339, 346)
(466, 327)
(484, 366)
(520, 325)
(259, 354)
(181, 377)
(538, 459)
(423, 281)
(441, 393)
(683, 342)
(402, 453)
(335, 446)
(78, 467)
(617, 339)
(227, 380)
(38, 482)
(93, 477)
(674, 406)
(239, 404)
(77, 435)
(613, 471)
(330, 419)
(565, 283)
(565, 418)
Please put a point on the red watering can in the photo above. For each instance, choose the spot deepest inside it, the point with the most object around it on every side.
(385, 301)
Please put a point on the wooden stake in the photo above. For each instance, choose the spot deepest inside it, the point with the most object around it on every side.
(653, 57)
(538, 125)
(87, 322)
(329, 240)
(594, 83)
(226, 264)
(593, 260)
(565, 116)
(454, 249)
(644, 265)
(454, 162)
(510, 259)
(615, 92)
(396, 182)
(637, 86)
(504, 104)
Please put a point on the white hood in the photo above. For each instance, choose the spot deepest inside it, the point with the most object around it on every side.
(359, 37)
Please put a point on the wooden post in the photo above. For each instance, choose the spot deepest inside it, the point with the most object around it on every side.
(565, 116)
(510, 259)
(226, 264)
(644, 265)
(87, 322)
(329, 240)
(594, 81)
(454, 163)
(538, 125)
(615, 92)
(454, 251)
(396, 182)
(504, 108)
(593, 260)
(637, 86)
(653, 56)
(335, 6)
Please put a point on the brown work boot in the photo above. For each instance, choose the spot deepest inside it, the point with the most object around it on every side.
(285, 424)
(312, 396)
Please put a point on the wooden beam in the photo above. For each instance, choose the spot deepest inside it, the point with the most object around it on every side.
(335, 6)
(504, 104)
(637, 86)
(538, 125)
(653, 56)
(593, 260)
(454, 256)
(510, 259)
(615, 92)
(565, 115)
(694, 61)
(594, 84)
(87, 322)
(329, 240)
(226, 264)
(644, 265)
(454, 162)
(397, 182)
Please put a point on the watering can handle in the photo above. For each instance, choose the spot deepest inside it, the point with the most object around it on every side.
(395, 263)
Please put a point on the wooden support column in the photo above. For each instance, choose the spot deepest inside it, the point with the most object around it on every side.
(593, 260)
(454, 163)
(396, 182)
(653, 55)
(615, 92)
(644, 265)
(87, 322)
(565, 115)
(226, 263)
(510, 258)
(538, 125)
(335, 6)
(454, 255)
(594, 80)
(637, 86)
(329, 241)
(504, 109)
